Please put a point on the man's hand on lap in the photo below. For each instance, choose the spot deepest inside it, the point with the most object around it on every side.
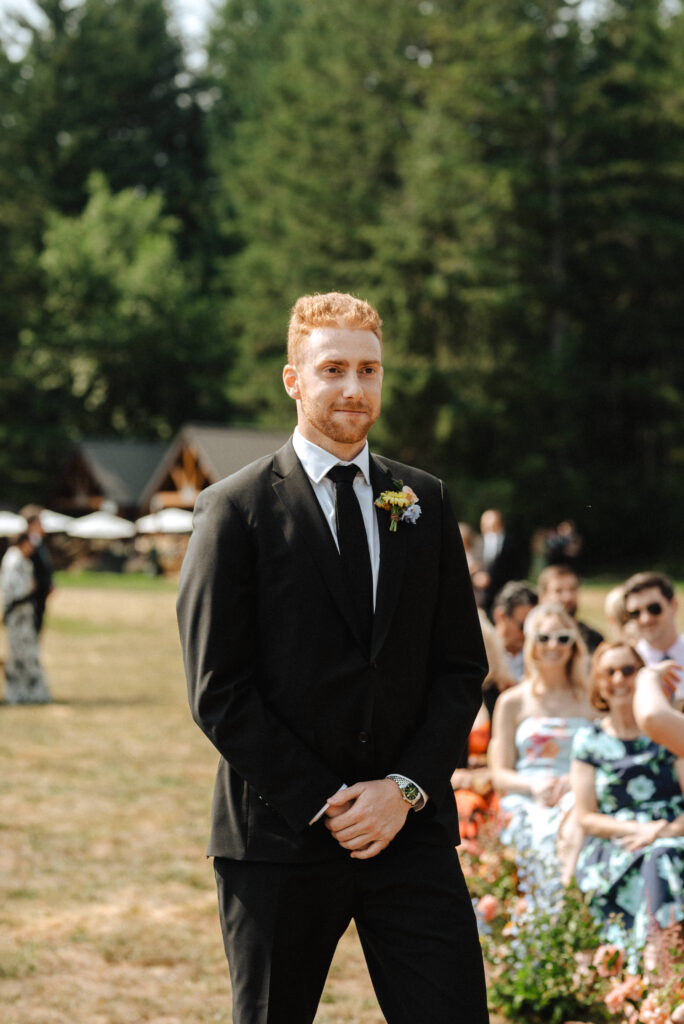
(373, 812)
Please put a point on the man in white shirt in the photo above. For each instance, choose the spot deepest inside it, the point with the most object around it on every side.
(651, 605)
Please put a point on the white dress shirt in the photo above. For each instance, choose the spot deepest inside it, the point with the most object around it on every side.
(316, 463)
(652, 655)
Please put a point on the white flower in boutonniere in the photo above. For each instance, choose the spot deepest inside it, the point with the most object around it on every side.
(402, 505)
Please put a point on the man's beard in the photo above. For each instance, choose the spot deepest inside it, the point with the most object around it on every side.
(337, 429)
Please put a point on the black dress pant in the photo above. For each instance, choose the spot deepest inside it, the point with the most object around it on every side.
(413, 913)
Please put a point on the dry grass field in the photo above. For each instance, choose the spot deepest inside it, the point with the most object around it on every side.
(107, 905)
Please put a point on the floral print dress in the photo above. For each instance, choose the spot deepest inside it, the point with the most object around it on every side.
(630, 890)
(543, 747)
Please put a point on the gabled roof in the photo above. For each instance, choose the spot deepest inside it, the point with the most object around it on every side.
(120, 469)
(220, 450)
(228, 449)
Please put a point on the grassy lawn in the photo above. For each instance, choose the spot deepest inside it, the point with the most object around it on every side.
(107, 903)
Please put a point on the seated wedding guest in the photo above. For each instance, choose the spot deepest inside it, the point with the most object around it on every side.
(532, 732)
(511, 607)
(560, 583)
(629, 802)
(26, 683)
(616, 613)
(653, 711)
(652, 608)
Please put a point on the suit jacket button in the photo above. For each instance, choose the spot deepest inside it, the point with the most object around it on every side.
(363, 737)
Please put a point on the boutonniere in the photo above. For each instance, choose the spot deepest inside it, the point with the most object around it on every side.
(401, 504)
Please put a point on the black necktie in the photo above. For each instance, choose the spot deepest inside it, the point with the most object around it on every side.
(353, 543)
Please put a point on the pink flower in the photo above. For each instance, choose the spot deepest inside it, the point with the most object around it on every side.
(615, 999)
(608, 960)
(677, 1016)
(582, 974)
(488, 907)
(631, 987)
(651, 1013)
(634, 986)
(520, 907)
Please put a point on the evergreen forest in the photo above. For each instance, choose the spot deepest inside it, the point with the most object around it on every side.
(503, 179)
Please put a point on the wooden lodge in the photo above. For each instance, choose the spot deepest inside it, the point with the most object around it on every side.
(133, 478)
(200, 455)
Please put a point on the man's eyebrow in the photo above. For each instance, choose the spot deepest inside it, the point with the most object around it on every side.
(335, 361)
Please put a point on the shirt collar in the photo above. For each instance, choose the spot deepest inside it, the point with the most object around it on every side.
(317, 461)
(653, 654)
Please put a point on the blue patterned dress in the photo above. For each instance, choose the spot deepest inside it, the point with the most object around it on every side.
(543, 748)
(635, 780)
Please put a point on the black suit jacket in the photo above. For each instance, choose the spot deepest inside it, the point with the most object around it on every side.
(511, 563)
(278, 678)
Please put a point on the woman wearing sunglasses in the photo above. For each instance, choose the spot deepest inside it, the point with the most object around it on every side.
(628, 793)
(532, 731)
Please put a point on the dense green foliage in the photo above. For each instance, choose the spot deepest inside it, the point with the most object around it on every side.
(502, 177)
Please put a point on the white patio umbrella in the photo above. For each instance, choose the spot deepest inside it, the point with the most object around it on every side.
(55, 522)
(11, 524)
(167, 520)
(101, 526)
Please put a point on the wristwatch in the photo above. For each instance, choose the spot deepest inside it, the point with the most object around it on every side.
(409, 790)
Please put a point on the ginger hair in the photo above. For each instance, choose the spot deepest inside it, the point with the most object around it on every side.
(333, 309)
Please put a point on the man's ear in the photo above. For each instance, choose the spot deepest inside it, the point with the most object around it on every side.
(291, 381)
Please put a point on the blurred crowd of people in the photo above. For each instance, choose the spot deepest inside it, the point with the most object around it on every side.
(579, 744)
(26, 583)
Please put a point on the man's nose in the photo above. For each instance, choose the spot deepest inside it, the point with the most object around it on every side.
(352, 385)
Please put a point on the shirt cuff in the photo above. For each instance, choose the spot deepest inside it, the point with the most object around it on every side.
(325, 807)
(420, 804)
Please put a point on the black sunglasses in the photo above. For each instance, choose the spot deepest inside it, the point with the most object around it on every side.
(654, 608)
(626, 670)
(560, 638)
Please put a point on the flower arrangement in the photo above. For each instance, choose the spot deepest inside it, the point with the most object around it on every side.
(546, 963)
(401, 504)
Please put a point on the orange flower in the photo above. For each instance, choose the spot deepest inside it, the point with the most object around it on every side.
(488, 907)
(651, 1013)
(608, 960)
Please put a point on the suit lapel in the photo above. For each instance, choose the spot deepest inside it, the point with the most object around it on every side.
(304, 518)
(392, 558)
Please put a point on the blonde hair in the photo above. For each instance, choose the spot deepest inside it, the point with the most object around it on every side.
(576, 666)
(333, 309)
(595, 697)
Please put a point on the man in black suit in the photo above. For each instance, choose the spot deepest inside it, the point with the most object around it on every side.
(503, 558)
(334, 658)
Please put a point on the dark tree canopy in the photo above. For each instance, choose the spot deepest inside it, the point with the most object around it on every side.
(502, 178)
